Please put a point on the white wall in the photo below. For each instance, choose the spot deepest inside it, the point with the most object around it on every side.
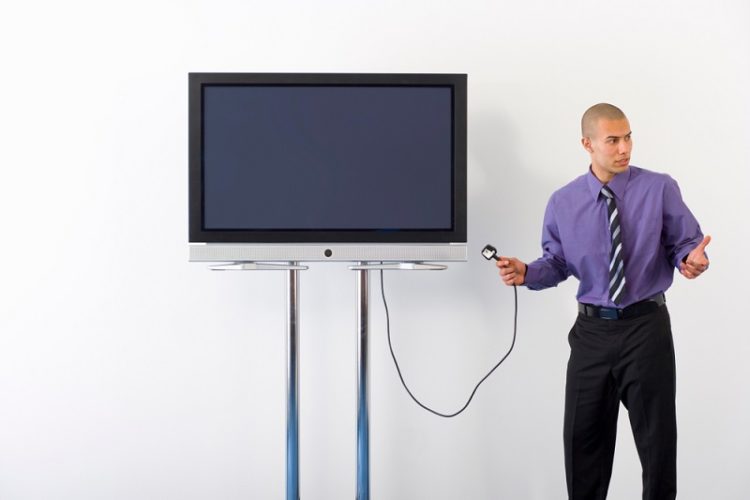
(127, 373)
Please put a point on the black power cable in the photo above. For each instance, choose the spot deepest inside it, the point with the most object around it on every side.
(398, 368)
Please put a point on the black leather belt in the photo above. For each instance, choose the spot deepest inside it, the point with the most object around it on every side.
(633, 310)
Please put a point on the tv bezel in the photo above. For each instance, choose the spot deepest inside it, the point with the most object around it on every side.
(456, 235)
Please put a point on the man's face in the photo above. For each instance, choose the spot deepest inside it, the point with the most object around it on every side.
(610, 145)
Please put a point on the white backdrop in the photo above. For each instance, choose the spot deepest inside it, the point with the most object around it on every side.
(128, 373)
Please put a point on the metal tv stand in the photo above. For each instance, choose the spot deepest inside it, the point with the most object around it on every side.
(292, 362)
(363, 366)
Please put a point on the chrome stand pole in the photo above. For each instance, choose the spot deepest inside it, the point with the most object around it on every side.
(292, 385)
(363, 393)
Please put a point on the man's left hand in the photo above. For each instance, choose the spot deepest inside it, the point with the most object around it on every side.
(696, 261)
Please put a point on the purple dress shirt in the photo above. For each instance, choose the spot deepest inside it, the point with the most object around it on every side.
(658, 231)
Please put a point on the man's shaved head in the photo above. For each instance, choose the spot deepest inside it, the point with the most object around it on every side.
(597, 112)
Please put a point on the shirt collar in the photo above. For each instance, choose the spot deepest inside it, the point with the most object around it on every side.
(618, 184)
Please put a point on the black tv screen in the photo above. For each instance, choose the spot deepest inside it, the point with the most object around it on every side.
(327, 158)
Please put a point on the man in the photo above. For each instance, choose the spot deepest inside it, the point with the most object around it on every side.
(621, 230)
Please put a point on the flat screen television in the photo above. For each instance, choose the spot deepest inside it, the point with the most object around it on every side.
(298, 167)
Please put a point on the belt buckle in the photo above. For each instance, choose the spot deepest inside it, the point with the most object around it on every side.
(610, 313)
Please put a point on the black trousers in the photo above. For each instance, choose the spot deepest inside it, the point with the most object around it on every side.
(628, 360)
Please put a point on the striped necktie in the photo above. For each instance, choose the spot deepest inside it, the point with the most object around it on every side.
(616, 272)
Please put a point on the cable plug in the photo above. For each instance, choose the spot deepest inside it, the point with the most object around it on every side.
(489, 252)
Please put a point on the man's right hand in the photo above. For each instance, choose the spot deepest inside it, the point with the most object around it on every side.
(512, 270)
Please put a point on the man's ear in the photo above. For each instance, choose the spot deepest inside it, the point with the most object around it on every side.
(586, 143)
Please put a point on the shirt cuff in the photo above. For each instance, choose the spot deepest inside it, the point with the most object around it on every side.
(532, 277)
